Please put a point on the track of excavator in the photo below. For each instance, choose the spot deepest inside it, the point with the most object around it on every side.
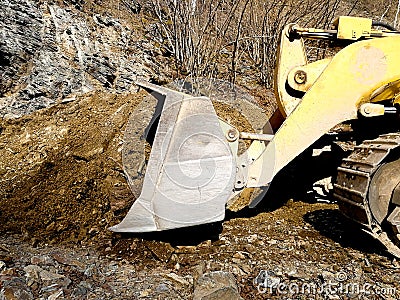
(353, 182)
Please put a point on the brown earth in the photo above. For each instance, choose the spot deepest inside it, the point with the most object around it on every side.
(62, 179)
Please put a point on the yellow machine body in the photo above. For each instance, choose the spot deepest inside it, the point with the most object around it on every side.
(363, 72)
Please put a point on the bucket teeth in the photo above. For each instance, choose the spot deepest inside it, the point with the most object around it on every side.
(191, 170)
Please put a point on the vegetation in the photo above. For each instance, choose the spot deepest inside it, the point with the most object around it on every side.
(231, 38)
(224, 38)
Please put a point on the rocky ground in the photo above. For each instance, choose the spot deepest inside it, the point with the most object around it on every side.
(66, 95)
(308, 248)
(63, 185)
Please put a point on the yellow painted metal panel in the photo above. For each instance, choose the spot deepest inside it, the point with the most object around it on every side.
(348, 81)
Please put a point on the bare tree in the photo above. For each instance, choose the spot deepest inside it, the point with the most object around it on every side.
(223, 38)
(397, 14)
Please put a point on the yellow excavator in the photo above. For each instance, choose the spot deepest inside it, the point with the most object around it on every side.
(195, 167)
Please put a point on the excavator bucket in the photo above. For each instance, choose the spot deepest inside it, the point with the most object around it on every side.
(191, 169)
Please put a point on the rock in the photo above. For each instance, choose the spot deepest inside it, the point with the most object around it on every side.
(133, 6)
(252, 238)
(236, 269)
(244, 267)
(267, 279)
(3, 247)
(162, 288)
(50, 280)
(49, 276)
(368, 269)
(204, 245)
(9, 272)
(49, 288)
(62, 259)
(224, 293)
(32, 274)
(239, 255)
(216, 285)
(177, 266)
(177, 279)
(298, 274)
(15, 289)
(163, 251)
(322, 188)
(186, 249)
(51, 53)
(250, 248)
(89, 271)
(2, 265)
(57, 295)
(198, 270)
(82, 289)
(327, 276)
(6, 258)
(145, 293)
(41, 260)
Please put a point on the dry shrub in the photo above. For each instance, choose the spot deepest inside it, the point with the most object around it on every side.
(224, 38)
(381, 10)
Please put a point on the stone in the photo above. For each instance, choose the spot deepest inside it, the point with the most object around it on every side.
(57, 295)
(198, 270)
(15, 289)
(50, 280)
(62, 259)
(204, 245)
(82, 289)
(244, 267)
(252, 238)
(145, 293)
(2, 265)
(32, 274)
(186, 249)
(250, 248)
(49, 276)
(162, 288)
(267, 279)
(327, 276)
(162, 251)
(89, 271)
(177, 278)
(41, 260)
(239, 255)
(49, 288)
(9, 272)
(216, 285)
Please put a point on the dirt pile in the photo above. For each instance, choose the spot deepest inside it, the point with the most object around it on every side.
(61, 173)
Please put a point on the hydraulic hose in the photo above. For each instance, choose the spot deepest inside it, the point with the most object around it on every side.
(383, 24)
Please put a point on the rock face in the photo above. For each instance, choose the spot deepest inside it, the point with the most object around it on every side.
(49, 53)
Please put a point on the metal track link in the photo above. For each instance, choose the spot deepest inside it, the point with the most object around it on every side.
(353, 180)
